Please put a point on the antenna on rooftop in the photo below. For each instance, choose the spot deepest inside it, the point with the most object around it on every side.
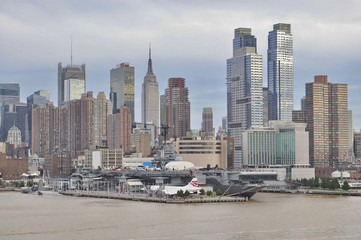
(71, 51)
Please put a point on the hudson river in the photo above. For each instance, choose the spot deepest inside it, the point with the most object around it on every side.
(266, 216)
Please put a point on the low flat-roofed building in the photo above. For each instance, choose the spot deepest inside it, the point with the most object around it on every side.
(12, 168)
(104, 158)
(280, 143)
(202, 151)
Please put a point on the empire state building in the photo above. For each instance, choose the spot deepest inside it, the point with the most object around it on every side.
(150, 96)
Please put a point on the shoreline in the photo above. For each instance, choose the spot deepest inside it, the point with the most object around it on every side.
(315, 192)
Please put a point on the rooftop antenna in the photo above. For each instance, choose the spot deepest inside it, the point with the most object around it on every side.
(71, 51)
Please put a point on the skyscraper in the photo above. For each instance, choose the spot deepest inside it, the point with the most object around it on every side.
(73, 74)
(327, 122)
(207, 122)
(9, 93)
(49, 130)
(176, 108)
(37, 99)
(102, 108)
(150, 96)
(244, 89)
(119, 130)
(280, 72)
(122, 87)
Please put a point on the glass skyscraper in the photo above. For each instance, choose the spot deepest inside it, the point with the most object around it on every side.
(122, 87)
(68, 73)
(244, 89)
(280, 72)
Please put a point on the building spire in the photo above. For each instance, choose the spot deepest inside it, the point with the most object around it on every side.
(71, 50)
(150, 68)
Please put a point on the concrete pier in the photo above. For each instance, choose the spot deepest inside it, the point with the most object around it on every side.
(135, 197)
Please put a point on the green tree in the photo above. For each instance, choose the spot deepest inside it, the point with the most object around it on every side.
(219, 192)
(21, 184)
(325, 183)
(311, 183)
(317, 182)
(202, 192)
(346, 186)
(226, 193)
(186, 193)
(209, 193)
(180, 193)
(334, 184)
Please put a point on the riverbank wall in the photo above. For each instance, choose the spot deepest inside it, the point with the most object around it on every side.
(314, 191)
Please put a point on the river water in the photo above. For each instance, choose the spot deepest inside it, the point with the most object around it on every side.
(266, 216)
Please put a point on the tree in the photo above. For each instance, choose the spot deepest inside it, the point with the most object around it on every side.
(219, 192)
(209, 193)
(346, 186)
(334, 184)
(226, 193)
(202, 192)
(325, 183)
(317, 182)
(186, 193)
(180, 193)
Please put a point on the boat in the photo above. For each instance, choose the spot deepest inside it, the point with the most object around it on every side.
(229, 182)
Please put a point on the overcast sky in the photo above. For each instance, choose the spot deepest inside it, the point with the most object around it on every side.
(190, 39)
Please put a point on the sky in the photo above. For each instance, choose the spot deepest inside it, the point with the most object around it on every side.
(189, 39)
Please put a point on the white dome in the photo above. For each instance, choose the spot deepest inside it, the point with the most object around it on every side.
(179, 165)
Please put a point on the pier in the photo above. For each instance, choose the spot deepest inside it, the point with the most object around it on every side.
(144, 198)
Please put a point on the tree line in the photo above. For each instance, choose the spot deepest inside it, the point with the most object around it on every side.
(326, 183)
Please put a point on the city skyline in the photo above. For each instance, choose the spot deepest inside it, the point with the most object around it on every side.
(111, 35)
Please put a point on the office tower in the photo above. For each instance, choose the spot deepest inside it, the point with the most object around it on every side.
(207, 122)
(119, 130)
(87, 121)
(81, 124)
(37, 99)
(327, 122)
(141, 140)
(9, 93)
(162, 110)
(73, 89)
(176, 108)
(303, 104)
(122, 87)
(49, 130)
(351, 154)
(13, 114)
(68, 77)
(280, 72)
(265, 105)
(244, 89)
(281, 143)
(14, 136)
(102, 108)
(224, 123)
(150, 96)
(357, 145)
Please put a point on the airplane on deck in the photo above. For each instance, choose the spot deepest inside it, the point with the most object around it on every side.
(192, 187)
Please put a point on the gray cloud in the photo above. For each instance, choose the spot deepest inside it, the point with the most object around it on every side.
(190, 39)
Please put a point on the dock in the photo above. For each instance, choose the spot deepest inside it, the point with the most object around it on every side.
(142, 198)
(315, 191)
